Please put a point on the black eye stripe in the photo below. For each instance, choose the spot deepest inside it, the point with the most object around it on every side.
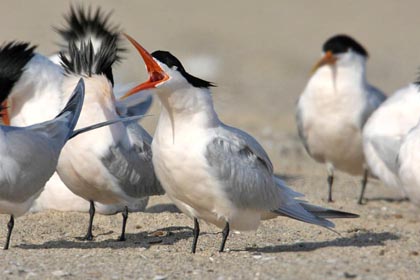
(342, 43)
(172, 62)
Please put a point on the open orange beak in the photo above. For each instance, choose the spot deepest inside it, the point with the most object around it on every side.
(156, 74)
(328, 58)
(4, 114)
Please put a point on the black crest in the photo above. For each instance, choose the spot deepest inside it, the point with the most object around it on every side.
(86, 29)
(83, 60)
(13, 58)
(85, 25)
(171, 61)
(342, 43)
(417, 82)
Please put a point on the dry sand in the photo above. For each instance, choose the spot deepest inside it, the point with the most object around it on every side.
(259, 53)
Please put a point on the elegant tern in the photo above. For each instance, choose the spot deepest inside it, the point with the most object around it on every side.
(113, 165)
(211, 171)
(29, 157)
(334, 107)
(385, 131)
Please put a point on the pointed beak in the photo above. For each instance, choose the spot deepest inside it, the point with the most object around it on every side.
(156, 73)
(4, 114)
(328, 58)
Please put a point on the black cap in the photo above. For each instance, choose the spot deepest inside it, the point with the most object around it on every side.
(342, 43)
(171, 61)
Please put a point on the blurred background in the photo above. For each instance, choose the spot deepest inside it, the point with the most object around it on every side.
(259, 53)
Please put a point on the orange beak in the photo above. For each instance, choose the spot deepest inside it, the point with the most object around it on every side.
(328, 58)
(156, 74)
(4, 113)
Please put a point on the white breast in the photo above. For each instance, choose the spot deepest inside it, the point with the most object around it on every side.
(331, 116)
(80, 164)
(409, 158)
(390, 122)
(184, 173)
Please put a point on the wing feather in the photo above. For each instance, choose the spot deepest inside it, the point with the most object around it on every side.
(133, 167)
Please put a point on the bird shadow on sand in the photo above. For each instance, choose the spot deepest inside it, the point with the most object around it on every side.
(365, 239)
(386, 199)
(161, 208)
(163, 236)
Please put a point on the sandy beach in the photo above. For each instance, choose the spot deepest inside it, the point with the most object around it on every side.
(259, 54)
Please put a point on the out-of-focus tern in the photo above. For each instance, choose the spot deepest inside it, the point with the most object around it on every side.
(385, 130)
(408, 165)
(114, 164)
(408, 159)
(29, 154)
(211, 171)
(334, 106)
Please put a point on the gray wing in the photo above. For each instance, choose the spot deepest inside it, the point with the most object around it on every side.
(248, 141)
(20, 174)
(133, 167)
(246, 173)
(375, 99)
(301, 132)
(137, 104)
(140, 108)
(244, 169)
(387, 150)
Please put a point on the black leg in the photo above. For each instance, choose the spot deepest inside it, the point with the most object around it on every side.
(10, 225)
(125, 217)
(330, 181)
(196, 233)
(364, 183)
(89, 235)
(225, 233)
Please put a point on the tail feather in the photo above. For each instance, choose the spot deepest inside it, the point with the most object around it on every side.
(98, 125)
(313, 214)
(327, 213)
(302, 211)
(73, 107)
(305, 216)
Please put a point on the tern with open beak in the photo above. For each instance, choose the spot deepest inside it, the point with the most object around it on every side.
(211, 171)
(334, 107)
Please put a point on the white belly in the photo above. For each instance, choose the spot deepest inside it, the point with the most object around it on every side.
(341, 146)
(331, 122)
(81, 169)
(185, 175)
